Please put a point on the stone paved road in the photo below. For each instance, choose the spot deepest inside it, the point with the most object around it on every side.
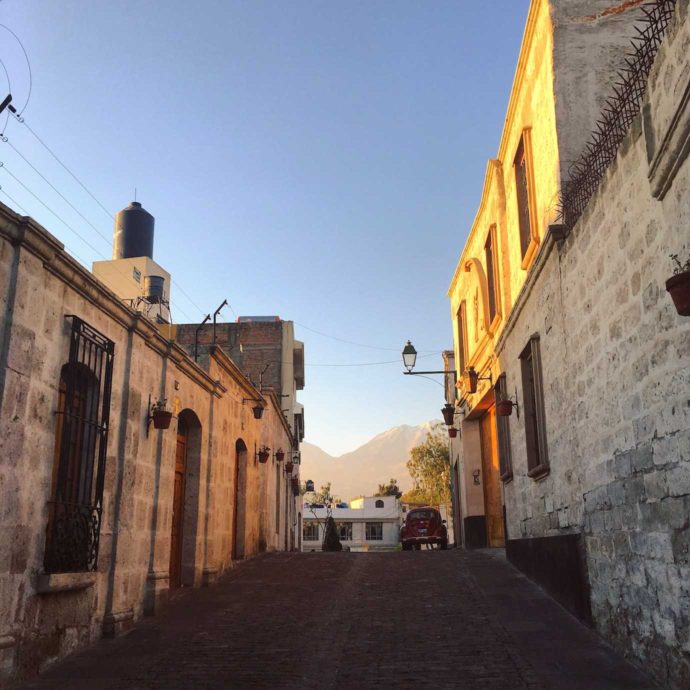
(432, 619)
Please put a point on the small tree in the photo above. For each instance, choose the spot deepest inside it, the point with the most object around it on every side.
(390, 489)
(323, 495)
(331, 540)
(429, 467)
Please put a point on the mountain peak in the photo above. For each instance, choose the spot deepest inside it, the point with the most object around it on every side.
(359, 472)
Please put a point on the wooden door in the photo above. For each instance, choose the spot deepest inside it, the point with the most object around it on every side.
(493, 507)
(178, 512)
(235, 511)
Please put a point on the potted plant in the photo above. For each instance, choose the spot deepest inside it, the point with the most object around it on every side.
(160, 416)
(288, 467)
(264, 454)
(504, 408)
(452, 432)
(678, 285)
(280, 455)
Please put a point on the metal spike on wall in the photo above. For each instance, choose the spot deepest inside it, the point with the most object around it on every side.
(618, 113)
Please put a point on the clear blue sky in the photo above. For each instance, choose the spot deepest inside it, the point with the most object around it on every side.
(319, 160)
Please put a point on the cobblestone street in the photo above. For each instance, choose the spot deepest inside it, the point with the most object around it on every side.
(429, 619)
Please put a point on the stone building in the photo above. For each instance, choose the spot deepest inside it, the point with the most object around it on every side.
(102, 513)
(562, 322)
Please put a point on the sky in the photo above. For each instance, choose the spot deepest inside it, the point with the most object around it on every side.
(319, 160)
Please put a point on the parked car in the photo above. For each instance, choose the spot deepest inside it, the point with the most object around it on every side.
(423, 526)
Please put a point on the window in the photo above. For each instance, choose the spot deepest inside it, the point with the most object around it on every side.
(533, 403)
(505, 461)
(81, 439)
(344, 531)
(491, 273)
(522, 193)
(374, 531)
(379, 503)
(462, 337)
(310, 531)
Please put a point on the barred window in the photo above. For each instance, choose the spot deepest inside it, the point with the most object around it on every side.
(310, 531)
(520, 166)
(374, 531)
(344, 531)
(81, 439)
(533, 401)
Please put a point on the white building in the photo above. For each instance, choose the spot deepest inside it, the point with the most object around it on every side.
(367, 524)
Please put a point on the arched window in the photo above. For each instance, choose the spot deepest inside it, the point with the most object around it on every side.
(379, 503)
(81, 438)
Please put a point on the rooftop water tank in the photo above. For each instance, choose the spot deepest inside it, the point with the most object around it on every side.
(133, 235)
(154, 287)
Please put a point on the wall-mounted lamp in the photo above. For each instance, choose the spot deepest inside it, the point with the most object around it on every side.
(475, 476)
(504, 407)
(473, 379)
(309, 485)
(258, 409)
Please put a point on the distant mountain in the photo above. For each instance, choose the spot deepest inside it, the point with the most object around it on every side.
(360, 472)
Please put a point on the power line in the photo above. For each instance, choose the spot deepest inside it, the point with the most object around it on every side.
(26, 213)
(68, 226)
(28, 64)
(58, 192)
(351, 342)
(86, 189)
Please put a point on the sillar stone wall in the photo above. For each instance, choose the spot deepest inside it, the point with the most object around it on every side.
(616, 369)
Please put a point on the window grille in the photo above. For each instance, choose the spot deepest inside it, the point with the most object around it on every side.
(374, 531)
(344, 531)
(74, 516)
(310, 531)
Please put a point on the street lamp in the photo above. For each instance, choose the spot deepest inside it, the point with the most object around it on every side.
(409, 355)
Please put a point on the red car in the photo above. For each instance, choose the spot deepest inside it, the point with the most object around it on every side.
(423, 526)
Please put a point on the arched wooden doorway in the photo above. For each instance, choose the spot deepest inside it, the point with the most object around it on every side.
(185, 499)
(239, 506)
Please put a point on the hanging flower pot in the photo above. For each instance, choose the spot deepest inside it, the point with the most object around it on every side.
(263, 454)
(678, 285)
(452, 432)
(288, 467)
(280, 455)
(161, 419)
(504, 408)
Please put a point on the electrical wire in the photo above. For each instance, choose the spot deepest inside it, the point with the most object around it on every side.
(69, 227)
(351, 342)
(9, 91)
(21, 120)
(28, 64)
(88, 191)
(26, 213)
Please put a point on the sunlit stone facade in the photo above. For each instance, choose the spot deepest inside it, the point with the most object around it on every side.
(592, 468)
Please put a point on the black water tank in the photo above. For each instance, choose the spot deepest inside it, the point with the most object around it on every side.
(133, 233)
